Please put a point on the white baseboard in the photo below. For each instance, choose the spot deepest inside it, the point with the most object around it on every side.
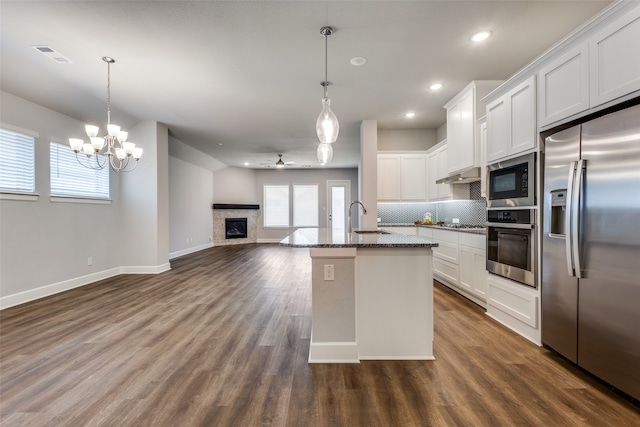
(188, 251)
(333, 352)
(76, 282)
(270, 240)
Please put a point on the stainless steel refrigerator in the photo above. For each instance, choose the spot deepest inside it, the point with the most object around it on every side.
(591, 247)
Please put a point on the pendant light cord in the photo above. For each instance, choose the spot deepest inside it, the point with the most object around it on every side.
(326, 56)
(108, 93)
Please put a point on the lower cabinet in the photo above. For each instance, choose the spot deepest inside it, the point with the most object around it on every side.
(459, 262)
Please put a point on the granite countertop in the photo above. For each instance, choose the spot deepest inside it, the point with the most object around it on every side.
(479, 230)
(326, 238)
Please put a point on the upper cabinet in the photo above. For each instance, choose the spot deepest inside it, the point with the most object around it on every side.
(437, 168)
(593, 70)
(511, 122)
(564, 85)
(402, 177)
(482, 129)
(614, 57)
(462, 114)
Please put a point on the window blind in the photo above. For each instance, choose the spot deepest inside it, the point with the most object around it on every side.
(17, 162)
(276, 205)
(305, 205)
(71, 179)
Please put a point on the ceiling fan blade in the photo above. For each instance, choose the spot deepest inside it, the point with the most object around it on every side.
(292, 162)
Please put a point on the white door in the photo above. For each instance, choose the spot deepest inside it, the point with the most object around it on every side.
(338, 196)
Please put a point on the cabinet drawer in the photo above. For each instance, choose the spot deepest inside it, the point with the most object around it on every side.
(446, 251)
(477, 241)
(445, 271)
(445, 235)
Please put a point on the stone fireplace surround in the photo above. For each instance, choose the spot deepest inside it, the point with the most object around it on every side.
(222, 211)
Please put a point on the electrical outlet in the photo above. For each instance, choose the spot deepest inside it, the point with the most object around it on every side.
(456, 220)
(90, 261)
(329, 272)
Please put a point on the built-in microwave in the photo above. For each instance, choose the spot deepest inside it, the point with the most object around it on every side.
(512, 182)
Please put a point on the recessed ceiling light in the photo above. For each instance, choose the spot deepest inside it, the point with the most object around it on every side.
(482, 35)
(410, 114)
(436, 86)
(358, 61)
(246, 163)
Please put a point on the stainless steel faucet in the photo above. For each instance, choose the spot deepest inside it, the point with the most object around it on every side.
(364, 211)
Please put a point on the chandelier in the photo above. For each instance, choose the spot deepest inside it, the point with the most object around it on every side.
(115, 149)
(327, 126)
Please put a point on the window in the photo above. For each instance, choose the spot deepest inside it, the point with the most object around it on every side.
(278, 200)
(305, 205)
(276, 205)
(17, 162)
(71, 179)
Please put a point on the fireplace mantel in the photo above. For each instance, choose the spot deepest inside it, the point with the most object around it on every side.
(234, 206)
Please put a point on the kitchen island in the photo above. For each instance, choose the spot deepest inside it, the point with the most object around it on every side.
(372, 295)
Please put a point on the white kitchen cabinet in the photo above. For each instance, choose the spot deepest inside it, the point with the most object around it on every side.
(388, 177)
(459, 262)
(436, 169)
(515, 306)
(564, 85)
(482, 129)
(413, 177)
(402, 177)
(462, 114)
(511, 122)
(614, 57)
(472, 261)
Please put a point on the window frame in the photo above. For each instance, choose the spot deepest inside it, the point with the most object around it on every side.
(66, 194)
(17, 193)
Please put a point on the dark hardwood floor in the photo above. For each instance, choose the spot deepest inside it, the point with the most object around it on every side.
(223, 338)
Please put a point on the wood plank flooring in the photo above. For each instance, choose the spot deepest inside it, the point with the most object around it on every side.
(223, 339)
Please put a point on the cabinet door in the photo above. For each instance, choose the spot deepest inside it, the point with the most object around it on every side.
(466, 268)
(614, 56)
(522, 114)
(413, 177)
(564, 86)
(483, 156)
(388, 177)
(444, 190)
(461, 140)
(497, 129)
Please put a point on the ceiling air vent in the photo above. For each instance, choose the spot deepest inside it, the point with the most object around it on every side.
(52, 54)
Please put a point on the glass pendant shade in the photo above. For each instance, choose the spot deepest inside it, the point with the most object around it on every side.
(88, 149)
(97, 143)
(113, 130)
(76, 144)
(137, 153)
(327, 126)
(91, 130)
(325, 153)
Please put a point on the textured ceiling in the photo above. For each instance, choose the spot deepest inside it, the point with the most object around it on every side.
(240, 80)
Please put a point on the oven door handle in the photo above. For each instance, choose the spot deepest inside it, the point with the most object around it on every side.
(575, 221)
(511, 225)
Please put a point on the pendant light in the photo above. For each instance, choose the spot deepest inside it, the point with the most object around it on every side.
(325, 153)
(327, 126)
(115, 149)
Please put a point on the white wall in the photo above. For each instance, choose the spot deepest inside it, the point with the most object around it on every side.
(406, 139)
(190, 213)
(44, 246)
(236, 185)
(441, 132)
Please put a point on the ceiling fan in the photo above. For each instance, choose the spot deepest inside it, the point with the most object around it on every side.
(279, 164)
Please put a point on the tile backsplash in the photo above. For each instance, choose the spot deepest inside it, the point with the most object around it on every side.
(471, 212)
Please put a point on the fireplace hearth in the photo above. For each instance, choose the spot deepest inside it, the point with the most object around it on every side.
(235, 228)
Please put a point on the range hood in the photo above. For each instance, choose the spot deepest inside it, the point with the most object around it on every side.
(470, 175)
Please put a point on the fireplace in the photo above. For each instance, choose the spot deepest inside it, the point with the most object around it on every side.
(235, 228)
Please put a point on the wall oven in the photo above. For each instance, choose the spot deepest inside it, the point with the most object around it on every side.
(511, 244)
(512, 182)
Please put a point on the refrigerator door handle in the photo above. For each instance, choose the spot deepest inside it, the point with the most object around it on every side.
(575, 222)
(568, 219)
